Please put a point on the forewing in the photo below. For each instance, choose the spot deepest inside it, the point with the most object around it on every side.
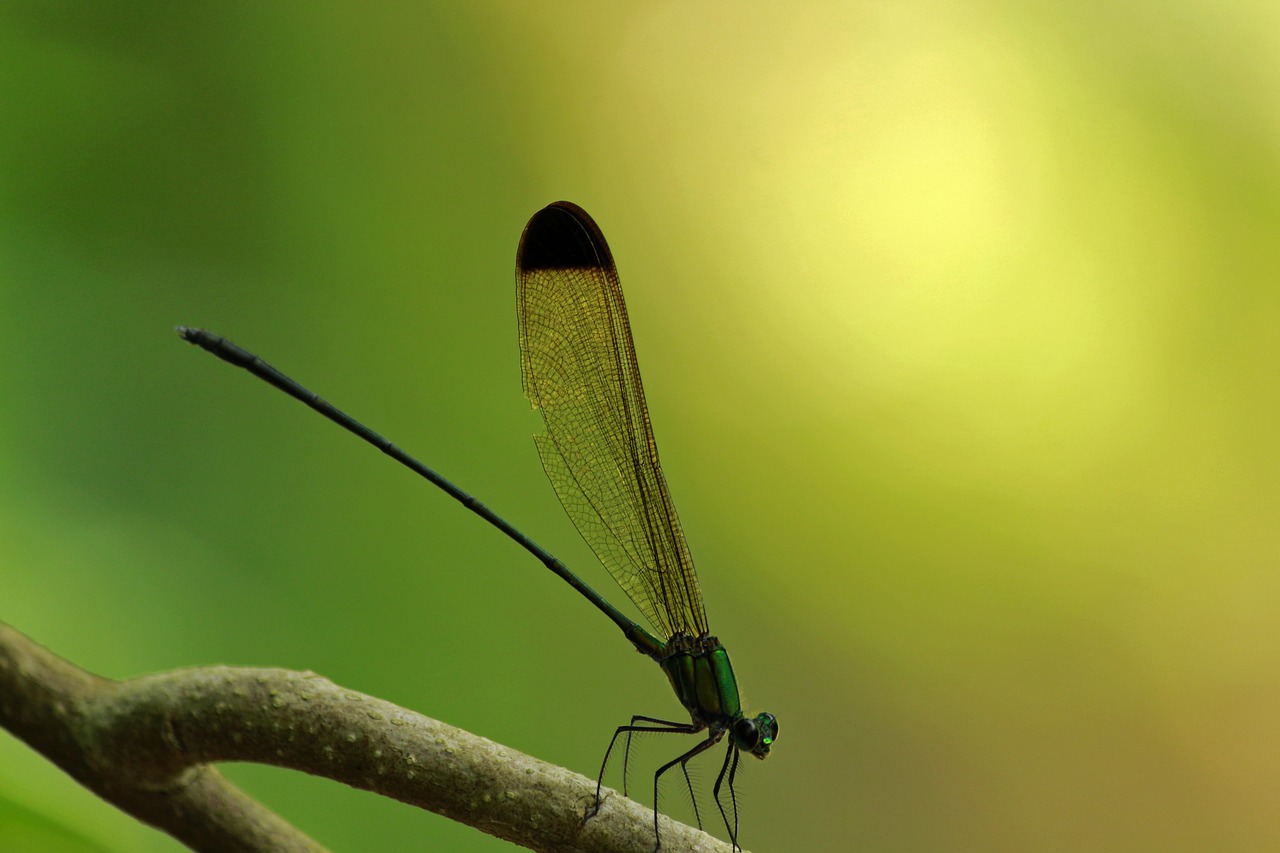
(579, 368)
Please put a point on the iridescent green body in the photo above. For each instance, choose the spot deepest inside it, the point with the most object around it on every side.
(702, 677)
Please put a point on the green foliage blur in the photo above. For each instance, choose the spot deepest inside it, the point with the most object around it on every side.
(960, 326)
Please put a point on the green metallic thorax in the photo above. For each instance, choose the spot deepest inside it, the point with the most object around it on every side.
(702, 677)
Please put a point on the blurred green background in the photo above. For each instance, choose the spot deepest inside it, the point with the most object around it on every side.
(960, 325)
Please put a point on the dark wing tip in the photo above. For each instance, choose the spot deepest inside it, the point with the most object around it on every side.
(562, 236)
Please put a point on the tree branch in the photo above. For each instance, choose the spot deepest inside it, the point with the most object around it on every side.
(146, 745)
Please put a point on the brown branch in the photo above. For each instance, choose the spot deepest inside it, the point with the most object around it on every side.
(146, 745)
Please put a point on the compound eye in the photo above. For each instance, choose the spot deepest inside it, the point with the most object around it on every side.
(746, 734)
(769, 725)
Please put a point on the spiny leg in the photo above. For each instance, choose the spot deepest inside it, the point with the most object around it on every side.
(681, 760)
(660, 726)
(693, 798)
(733, 795)
(626, 763)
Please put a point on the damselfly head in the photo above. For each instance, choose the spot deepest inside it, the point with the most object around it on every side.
(755, 734)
